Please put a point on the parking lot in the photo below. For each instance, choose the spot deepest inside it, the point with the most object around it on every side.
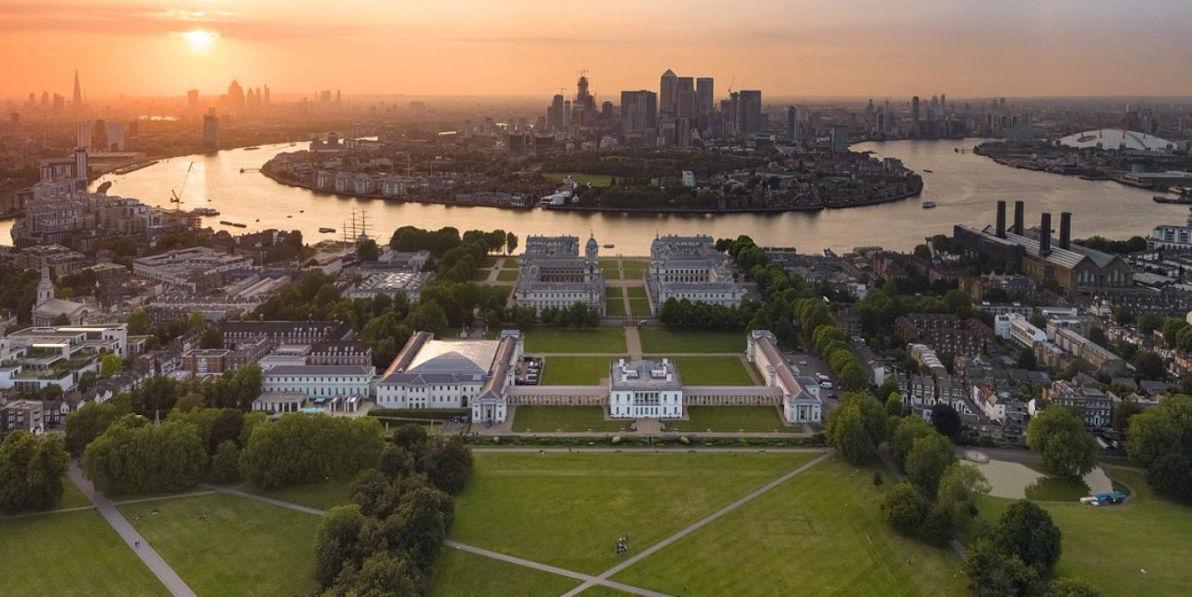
(809, 365)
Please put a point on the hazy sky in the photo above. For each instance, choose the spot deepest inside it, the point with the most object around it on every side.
(534, 47)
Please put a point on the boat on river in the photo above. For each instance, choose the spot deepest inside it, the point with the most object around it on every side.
(1181, 200)
(928, 204)
(325, 229)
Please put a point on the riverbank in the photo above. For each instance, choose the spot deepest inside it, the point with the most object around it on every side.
(427, 200)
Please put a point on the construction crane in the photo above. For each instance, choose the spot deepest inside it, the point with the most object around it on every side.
(174, 197)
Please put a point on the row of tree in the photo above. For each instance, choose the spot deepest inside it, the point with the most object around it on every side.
(31, 470)
(1160, 439)
(830, 343)
(940, 496)
(705, 316)
(300, 448)
(388, 540)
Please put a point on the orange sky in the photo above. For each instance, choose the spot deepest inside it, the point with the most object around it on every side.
(534, 47)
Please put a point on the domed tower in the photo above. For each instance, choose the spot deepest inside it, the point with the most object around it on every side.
(592, 250)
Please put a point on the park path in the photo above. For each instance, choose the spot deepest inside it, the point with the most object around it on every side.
(588, 579)
(633, 340)
(456, 545)
(495, 270)
(695, 526)
(157, 565)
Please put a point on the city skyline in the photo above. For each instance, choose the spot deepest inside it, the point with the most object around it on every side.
(527, 48)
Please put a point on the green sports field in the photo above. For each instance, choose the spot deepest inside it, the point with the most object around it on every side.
(70, 553)
(568, 509)
(819, 533)
(227, 545)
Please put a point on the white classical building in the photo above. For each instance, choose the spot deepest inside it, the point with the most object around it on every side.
(319, 382)
(645, 390)
(690, 267)
(552, 274)
(800, 399)
(430, 373)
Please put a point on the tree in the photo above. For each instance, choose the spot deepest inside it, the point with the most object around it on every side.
(946, 420)
(856, 427)
(908, 430)
(88, 423)
(138, 322)
(1071, 587)
(428, 316)
(133, 457)
(510, 243)
(1149, 322)
(211, 338)
(301, 448)
(447, 465)
(336, 543)
(225, 464)
(386, 573)
(410, 436)
(1067, 447)
(960, 491)
(894, 404)
(929, 457)
(904, 508)
(31, 470)
(367, 250)
(1025, 530)
(188, 402)
(1150, 365)
(110, 364)
(995, 573)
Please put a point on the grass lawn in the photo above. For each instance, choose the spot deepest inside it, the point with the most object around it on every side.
(609, 268)
(510, 263)
(543, 419)
(661, 340)
(596, 180)
(324, 496)
(1110, 546)
(574, 371)
(70, 553)
(711, 371)
(243, 547)
(614, 307)
(491, 260)
(507, 275)
(819, 533)
(459, 573)
(481, 275)
(636, 292)
(555, 340)
(635, 268)
(71, 496)
(730, 418)
(567, 509)
(639, 307)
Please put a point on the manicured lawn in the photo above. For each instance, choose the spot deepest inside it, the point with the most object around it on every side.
(614, 307)
(711, 371)
(491, 260)
(549, 419)
(639, 307)
(820, 533)
(635, 268)
(324, 496)
(481, 275)
(460, 573)
(596, 180)
(70, 553)
(661, 340)
(610, 269)
(567, 509)
(730, 418)
(71, 496)
(242, 547)
(1110, 546)
(574, 371)
(599, 340)
(636, 292)
(510, 263)
(507, 275)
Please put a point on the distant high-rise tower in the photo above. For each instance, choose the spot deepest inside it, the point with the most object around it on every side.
(192, 99)
(749, 111)
(705, 98)
(638, 113)
(668, 92)
(792, 124)
(235, 95)
(915, 108)
(210, 131)
(83, 134)
(78, 93)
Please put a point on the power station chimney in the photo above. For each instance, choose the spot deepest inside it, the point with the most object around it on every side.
(1001, 219)
(1018, 209)
(1065, 229)
(1045, 234)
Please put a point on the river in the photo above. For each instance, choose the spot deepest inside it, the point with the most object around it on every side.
(963, 185)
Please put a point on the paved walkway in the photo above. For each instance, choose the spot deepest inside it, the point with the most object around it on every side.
(699, 524)
(633, 340)
(267, 500)
(495, 270)
(588, 579)
(157, 565)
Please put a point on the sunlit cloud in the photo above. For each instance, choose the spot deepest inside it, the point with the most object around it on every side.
(199, 41)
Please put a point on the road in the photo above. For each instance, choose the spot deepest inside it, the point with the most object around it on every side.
(157, 565)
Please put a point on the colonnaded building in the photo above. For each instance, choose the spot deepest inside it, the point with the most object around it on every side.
(430, 373)
(551, 273)
(690, 267)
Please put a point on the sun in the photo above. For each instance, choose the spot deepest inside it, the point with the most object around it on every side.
(200, 40)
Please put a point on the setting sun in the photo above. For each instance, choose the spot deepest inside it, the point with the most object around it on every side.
(200, 40)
